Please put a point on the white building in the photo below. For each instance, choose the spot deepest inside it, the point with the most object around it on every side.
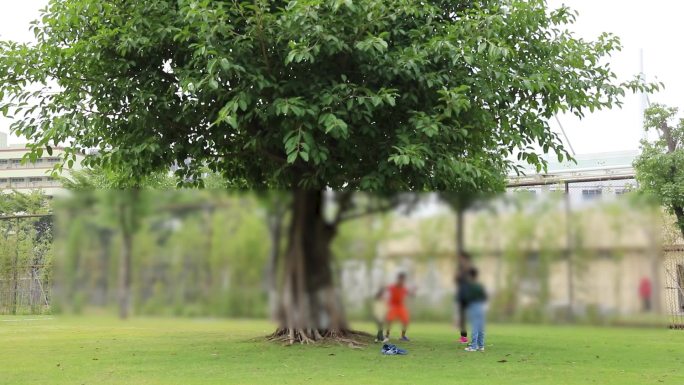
(599, 176)
(29, 176)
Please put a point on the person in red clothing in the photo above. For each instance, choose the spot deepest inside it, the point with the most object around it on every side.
(645, 293)
(396, 307)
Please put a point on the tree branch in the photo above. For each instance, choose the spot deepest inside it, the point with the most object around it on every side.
(367, 212)
(344, 203)
(393, 203)
(273, 156)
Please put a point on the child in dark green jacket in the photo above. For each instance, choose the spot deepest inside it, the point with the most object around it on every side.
(475, 297)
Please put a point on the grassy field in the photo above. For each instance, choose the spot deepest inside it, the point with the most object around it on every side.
(98, 350)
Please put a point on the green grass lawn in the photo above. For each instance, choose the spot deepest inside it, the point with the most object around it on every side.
(99, 350)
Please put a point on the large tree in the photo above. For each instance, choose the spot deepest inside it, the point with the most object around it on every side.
(310, 95)
(660, 167)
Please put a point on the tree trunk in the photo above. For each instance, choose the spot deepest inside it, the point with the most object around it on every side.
(679, 214)
(569, 255)
(460, 247)
(206, 277)
(105, 238)
(310, 308)
(127, 222)
(275, 226)
(125, 274)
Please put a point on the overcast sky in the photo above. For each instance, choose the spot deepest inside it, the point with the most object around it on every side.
(654, 26)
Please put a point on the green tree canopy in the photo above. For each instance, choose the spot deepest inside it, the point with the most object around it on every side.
(373, 95)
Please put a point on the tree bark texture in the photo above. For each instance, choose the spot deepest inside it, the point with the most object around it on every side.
(460, 247)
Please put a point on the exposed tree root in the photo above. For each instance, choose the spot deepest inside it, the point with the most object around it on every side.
(351, 338)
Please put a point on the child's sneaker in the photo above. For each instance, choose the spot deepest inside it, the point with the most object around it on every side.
(480, 350)
(471, 349)
(404, 338)
(463, 340)
(386, 340)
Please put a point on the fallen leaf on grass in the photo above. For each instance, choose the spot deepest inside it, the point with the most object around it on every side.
(502, 361)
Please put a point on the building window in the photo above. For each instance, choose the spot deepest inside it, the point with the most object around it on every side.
(17, 182)
(4, 163)
(591, 194)
(34, 179)
(530, 286)
(4, 182)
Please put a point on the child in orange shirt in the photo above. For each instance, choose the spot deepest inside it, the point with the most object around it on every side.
(396, 307)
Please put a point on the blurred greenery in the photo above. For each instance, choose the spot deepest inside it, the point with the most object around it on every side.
(210, 253)
(196, 253)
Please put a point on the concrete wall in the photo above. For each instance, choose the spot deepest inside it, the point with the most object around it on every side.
(608, 286)
(613, 254)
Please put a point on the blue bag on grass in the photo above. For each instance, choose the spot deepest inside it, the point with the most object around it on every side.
(392, 350)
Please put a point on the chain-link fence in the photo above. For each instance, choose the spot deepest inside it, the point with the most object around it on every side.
(674, 289)
(25, 261)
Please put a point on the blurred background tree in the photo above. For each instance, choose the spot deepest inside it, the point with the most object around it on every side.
(660, 167)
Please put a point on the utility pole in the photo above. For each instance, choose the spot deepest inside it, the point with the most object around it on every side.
(15, 270)
(644, 96)
(569, 251)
